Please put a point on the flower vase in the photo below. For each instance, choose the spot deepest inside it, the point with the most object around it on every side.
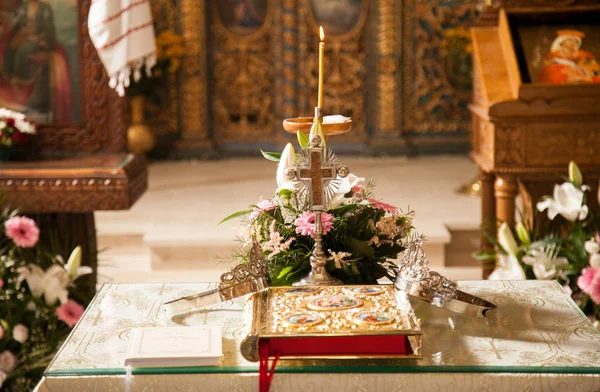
(140, 138)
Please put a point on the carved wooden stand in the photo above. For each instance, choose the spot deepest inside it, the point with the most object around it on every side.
(525, 134)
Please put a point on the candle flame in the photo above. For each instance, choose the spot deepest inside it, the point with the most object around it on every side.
(321, 33)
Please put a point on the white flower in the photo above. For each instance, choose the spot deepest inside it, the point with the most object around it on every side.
(544, 261)
(506, 239)
(20, 333)
(567, 201)
(2, 124)
(508, 269)
(21, 122)
(592, 247)
(595, 260)
(52, 283)
(345, 186)
(287, 160)
(73, 266)
(8, 361)
(338, 258)
(276, 243)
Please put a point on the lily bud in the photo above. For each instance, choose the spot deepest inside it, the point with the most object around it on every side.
(575, 174)
(74, 262)
(317, 129)
(287, 160)
(523, 234)
(506, 239)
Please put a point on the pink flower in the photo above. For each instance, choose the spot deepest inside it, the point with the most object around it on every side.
(382, 206)
(305, 223)
(589, 283)
(20, 333)
(70, 312)
(1, 332)
(262, 206)
(8, 361)
(23, 231)
(1, 283)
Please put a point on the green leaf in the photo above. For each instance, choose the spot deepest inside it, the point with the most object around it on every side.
(302, 138)
(285, 271)
(285, 193)
(360, 248)
(271, 156)
(485, 255)
(343, 209)
(235, 215)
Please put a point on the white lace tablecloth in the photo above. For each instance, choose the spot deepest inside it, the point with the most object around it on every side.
(537, 340)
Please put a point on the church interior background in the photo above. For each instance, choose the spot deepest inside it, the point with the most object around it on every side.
(479, 116)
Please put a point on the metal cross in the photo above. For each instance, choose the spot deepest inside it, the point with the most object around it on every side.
(316, 174)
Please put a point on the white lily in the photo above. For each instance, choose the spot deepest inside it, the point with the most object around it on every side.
(508, 268)
(506, 239)
(544, 261)
(51, 284)
(345, 186)
(567, 201)
(575, 174)
(287, 160)
(73, 266)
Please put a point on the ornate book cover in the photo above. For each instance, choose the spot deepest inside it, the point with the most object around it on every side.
(331, 322)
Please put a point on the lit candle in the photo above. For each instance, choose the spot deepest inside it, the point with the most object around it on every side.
(321, 55)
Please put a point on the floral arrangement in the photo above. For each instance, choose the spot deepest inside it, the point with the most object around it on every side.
(38, 301)
(360, 233)
(16, 131)
(564, 245)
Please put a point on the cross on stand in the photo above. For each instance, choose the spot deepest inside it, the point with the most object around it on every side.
(315, 174)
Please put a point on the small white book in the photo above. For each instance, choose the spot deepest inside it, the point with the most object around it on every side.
(174, 346)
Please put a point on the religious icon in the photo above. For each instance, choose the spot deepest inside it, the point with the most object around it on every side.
(303, 320)
(243, 17)
(38, 54)
(334, 302)
(300, 291)
(337, 16)
(362, 290)
(567, 62)
(371, 318)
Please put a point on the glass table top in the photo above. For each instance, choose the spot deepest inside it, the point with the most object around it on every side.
(537, 328)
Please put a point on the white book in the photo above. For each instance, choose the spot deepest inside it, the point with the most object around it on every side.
(174, 346)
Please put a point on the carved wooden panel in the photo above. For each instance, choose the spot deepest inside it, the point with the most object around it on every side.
(242, 73)
(104, 114)
(509, 144)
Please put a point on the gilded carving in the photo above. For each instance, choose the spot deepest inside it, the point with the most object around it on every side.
(386, 79)
(194, 89)
(431, 104)
(242, 76)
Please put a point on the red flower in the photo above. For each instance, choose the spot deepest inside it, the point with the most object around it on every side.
(20, 138)
(10, 122)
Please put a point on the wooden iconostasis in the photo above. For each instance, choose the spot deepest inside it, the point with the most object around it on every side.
(400, 69)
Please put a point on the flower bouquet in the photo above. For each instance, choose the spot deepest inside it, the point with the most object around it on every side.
(38, 302)
(16, 134)
(361, 235)
(565, 246)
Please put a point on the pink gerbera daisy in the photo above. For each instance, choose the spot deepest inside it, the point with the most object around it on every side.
(305, 223)
(262, 206)
(382, 206)
(70, 312)
(23, 231)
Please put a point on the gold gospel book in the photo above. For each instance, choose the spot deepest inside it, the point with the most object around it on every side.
(331, 322)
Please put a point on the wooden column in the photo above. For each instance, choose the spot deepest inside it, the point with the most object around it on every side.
(488, 218)
(505, 190)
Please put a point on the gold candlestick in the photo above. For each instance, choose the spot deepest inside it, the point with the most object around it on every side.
(321, 58)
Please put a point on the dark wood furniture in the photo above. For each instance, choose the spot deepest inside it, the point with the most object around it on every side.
(83, 167)
(524, 135)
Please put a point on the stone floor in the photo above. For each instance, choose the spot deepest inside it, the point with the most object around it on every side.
(172, 233)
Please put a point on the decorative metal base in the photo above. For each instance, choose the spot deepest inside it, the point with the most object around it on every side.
(318, 277)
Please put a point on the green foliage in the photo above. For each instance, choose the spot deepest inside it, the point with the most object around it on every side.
(302, 139)
(235, 215)
(271, 156)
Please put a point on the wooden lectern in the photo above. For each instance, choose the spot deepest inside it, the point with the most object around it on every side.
(526, 132)
(83, 167)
